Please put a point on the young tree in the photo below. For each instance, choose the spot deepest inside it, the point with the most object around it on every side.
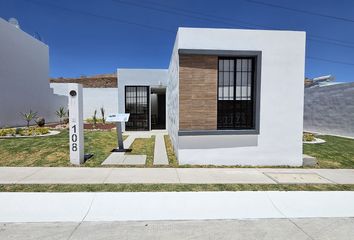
(61, 113)
(94, 118)
(28, 117)
(103, 115)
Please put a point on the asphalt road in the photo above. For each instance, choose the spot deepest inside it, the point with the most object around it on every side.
(265, 229)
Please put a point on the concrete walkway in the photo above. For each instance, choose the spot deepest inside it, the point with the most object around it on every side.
(255, 229)
(160, 155)
(156, 206)
(78, 175)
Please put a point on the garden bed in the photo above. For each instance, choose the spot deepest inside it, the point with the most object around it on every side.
(99, 126)
(26, 132)
(88, 126)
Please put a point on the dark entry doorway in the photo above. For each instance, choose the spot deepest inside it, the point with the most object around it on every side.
(158, 108)
(137, 104)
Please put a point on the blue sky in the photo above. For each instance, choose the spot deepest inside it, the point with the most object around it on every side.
(89, 37)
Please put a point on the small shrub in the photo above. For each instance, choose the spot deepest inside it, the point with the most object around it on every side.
(40, 122)
(61, 113)
(18, 131)
(308, 137)
(30, 131)
(7, 132)
(66, 120)
(34, 131)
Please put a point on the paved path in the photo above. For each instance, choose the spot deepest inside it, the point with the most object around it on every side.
(265, 229)
(160, 154)
(79, 175)
(156, 206)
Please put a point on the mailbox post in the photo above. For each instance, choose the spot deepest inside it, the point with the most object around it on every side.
(76, 125)
(118, 119)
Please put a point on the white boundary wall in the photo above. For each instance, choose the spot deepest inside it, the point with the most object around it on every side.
(24, 77)
(93, 99)
(281, 105)
(330, 109)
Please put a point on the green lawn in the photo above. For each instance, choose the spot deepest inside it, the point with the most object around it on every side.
(144, 146)
(337, 152)
(172, 159)
(53, 151)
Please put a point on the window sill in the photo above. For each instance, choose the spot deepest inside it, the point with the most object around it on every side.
(218, 132)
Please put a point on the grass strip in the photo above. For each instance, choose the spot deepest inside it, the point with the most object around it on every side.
(170, 187)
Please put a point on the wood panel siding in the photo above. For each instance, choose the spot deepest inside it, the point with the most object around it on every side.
(198, 92)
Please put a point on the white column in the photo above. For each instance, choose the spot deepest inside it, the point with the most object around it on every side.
(76, 125)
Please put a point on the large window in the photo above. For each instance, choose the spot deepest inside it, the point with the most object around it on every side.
(236, 93)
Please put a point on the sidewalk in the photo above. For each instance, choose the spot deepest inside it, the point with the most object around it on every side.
(157, 206)
(72, 175)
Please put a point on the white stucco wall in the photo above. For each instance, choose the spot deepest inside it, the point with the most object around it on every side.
(139, 77)
(172, 97)
(24, 77)
(281, 105)
(93, 99)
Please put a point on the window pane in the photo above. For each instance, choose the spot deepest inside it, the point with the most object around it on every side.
(238, 79)
(244, 78)
(221, 77)
(226, 79)
(244, 64)
(226, 65)
(221, 65)
(232, 61)
(238, 64)
(231, 76)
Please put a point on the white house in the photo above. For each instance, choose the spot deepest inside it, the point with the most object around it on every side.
(233, 97)
(24, 77)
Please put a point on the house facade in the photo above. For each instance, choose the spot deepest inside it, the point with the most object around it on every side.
(233, 97)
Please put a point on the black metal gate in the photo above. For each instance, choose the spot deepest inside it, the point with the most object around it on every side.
(137, 104)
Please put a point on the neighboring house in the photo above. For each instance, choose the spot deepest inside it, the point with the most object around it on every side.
(98, 91)
(24, 72)
(330, 109)
(229, 97)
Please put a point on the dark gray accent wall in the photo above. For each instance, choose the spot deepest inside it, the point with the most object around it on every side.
(330, 109)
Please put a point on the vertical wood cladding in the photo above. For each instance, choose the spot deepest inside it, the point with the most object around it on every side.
(198, 92)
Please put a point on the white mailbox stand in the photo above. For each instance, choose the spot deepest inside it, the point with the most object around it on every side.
(76, 124)
(118, 119)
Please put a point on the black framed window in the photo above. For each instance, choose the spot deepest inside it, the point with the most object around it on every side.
(236, 93)
(137, 104)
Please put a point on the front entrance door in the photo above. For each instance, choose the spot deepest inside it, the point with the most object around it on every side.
(137, 104)
(158, 108)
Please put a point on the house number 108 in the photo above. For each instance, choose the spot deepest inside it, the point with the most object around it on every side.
(74, 139)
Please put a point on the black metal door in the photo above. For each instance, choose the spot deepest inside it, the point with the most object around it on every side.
(137, 104)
